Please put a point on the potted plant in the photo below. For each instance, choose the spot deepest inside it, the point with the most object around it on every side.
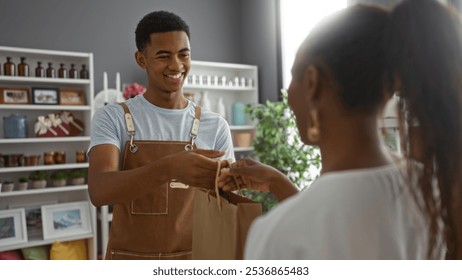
(77, 176)
(7, 186)
(277, 144)
(23, 183)
(39, 179)
(59, 178)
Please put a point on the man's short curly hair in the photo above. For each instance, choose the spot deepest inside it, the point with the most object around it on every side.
(158, 22)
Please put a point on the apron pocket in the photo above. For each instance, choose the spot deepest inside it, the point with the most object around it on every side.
(154, 203)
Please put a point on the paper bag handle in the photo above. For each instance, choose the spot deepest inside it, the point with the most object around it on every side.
(217, 175)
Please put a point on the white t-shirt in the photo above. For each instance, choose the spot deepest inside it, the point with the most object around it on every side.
(155, 123)
(357, 214)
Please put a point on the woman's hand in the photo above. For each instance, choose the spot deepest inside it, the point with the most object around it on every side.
(248, 174)
(251, 174)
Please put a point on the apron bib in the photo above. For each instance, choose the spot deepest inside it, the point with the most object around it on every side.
(157, 225)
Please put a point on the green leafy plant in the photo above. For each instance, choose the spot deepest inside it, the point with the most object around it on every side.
(77, 173)
(23, 179)
(59, 175)
(38, 175)
(277, 144)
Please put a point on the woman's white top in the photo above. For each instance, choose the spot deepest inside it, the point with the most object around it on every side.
(356, 214)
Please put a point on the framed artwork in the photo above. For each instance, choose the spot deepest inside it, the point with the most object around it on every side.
(45, 96)
(14, 96)
(72, 97)
(33, 214)
(66, 219)
(12, 227)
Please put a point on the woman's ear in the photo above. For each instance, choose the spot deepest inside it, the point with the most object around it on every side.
(140, 59)
(311, 82)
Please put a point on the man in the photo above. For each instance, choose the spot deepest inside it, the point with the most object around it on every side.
(143, 153)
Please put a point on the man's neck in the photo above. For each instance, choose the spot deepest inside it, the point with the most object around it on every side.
(174, 100)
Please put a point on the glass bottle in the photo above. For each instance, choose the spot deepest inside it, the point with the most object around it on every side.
(62, 71)
(8, 67)
(238, 116)
(73, 72)
(23, 68)
(39, 71)
(84, 72)
(221, 108)
(204, 102)
(51, 72)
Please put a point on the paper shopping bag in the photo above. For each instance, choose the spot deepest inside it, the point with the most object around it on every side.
(220, 226)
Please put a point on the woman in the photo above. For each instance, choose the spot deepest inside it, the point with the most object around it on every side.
(368, 204)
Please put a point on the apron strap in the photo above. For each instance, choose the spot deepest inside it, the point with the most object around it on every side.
(195, 128)
(130, 127)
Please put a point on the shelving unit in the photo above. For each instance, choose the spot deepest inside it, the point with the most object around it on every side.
(229, 81)
(204, 73)
(33, 145)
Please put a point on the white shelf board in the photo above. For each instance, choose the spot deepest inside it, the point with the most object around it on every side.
(44, 52)
(231, 66)
(45, 107)
(242, 127)
(44, 80)
(44, 140)
(44, 190)
(43, 167)
(192, 87)
(243, 149)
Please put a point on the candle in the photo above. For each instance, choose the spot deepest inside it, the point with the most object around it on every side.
(105, 88)
(118, 82)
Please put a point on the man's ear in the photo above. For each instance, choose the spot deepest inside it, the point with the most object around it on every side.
(140, 59)
(312, 82)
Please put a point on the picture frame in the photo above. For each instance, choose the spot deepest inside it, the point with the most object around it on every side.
(14, 96)
(12, 227)
(45, 96)
(66, 219)
(33, 214)
(72, 97)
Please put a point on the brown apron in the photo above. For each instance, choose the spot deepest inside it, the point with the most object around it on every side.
(158, 225)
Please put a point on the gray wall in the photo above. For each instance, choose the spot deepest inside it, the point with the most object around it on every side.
(260, 44)
(234, 31)
(106, 28)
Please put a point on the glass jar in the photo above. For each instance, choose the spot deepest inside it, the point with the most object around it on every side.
(62, 71)
(80, 156)
(39, 71)
(23, 68)
(49, 158)
(51, 72)
(15, 126)
(9, 67)
(73, 74)
(84, 72)
(59, 157)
